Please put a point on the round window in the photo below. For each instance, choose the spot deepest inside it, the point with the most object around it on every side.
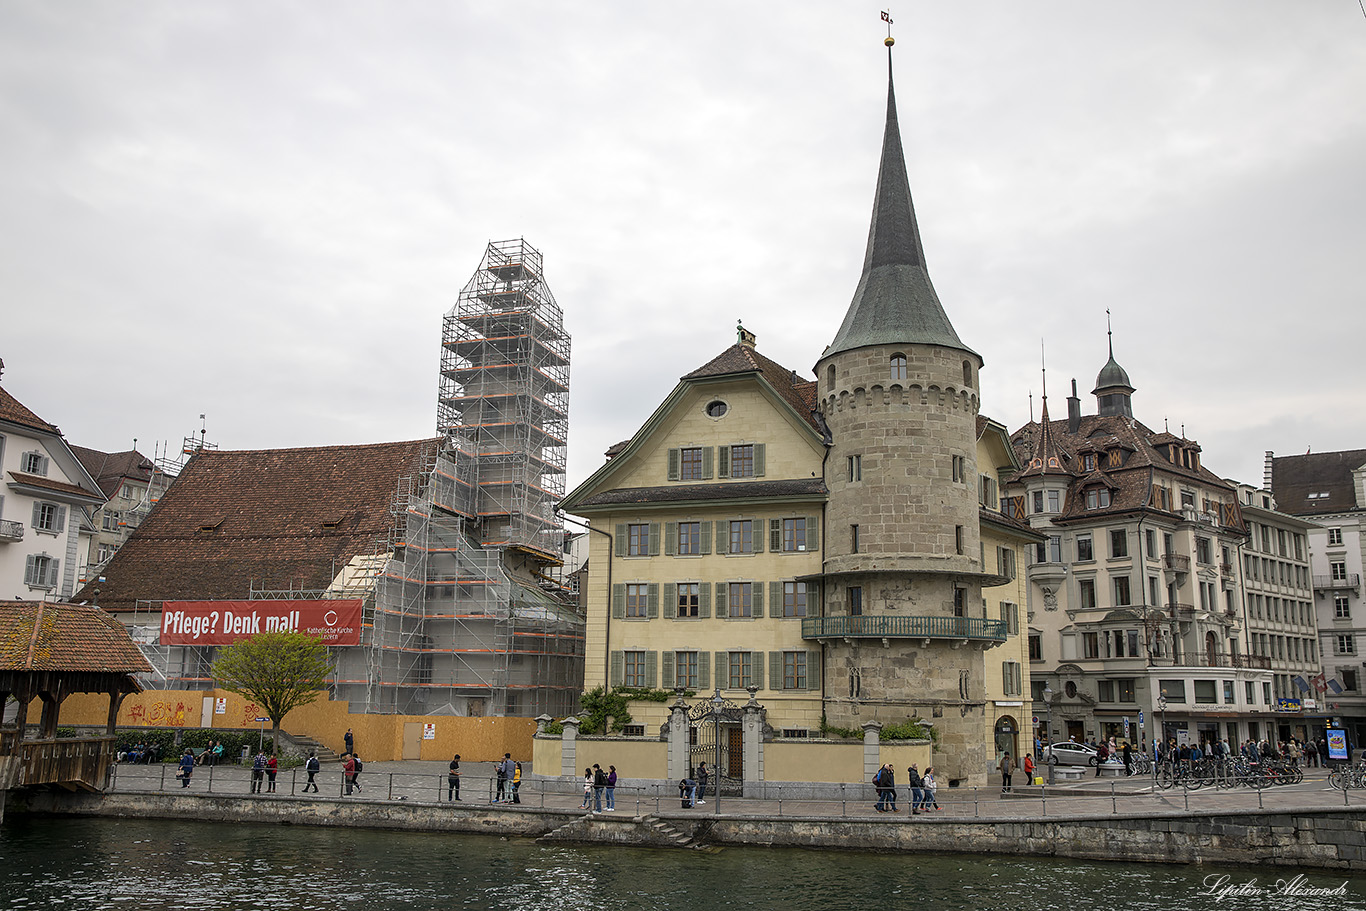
(717, 409)
(1070, 689)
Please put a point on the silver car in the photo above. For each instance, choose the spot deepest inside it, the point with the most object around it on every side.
(1070, 754)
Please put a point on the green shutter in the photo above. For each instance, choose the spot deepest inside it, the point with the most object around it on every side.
(758, 460)
(704, 600)
(654, 539)
(813, 669)
(757, 534)
(756, 668)
(722, 604)
(670, 538)
(775, 670)
(671, 599)
(670, 681)
(813, 535)
(652, 601)
(723, 461)
(621, 539)
(758, 599)
(673, 464)
(619, 601)
(1005, 677)
(723, 670)
(706, 535)
(775, 599)
(650, 661)
(618, 673)
(706, 463)
(775, 535)
(704, 670)
(723, 537)
(30, 574)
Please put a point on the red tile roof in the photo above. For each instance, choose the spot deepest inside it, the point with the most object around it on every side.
(799, 392)
(42, 636)
(11, 410)
(109, 469)
(234, 518)
(35, 480)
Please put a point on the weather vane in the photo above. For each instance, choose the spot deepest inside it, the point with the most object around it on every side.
(887, 18)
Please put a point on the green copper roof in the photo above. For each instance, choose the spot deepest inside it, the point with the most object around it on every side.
(1112, 375)
(895, 303)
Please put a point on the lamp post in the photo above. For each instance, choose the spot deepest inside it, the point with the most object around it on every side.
(717, 704)
(1048, 701)
(1162, 707)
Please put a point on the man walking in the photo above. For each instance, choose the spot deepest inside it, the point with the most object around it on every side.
(917, 786)
(312, 766)
(349, 770)
(1006, 767)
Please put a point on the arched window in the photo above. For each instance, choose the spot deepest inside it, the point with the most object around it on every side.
(967, 373)
(830, 377)
(898, 366)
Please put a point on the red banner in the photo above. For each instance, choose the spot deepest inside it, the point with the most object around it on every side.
(224, 622)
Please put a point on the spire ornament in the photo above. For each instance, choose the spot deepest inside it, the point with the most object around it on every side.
(887, 18)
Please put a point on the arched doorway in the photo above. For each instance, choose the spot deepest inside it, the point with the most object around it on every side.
(1007, 737)
(1211, 650)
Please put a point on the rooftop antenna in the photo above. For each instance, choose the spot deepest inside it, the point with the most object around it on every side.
(1109, 333)
(1031, 406)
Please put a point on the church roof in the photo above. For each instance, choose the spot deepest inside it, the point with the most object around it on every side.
(895, 302)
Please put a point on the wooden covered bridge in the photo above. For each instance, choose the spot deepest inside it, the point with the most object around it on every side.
(49, 651)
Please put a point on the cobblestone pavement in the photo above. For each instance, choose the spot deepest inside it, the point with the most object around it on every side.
(425, 782)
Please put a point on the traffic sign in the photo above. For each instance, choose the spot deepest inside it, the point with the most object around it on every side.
(1036, 719)
(262, 719)
(1140, 716)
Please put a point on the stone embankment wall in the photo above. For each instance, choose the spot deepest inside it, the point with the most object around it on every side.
(1325, 839)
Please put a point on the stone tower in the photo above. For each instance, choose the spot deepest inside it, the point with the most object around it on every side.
(903, 623)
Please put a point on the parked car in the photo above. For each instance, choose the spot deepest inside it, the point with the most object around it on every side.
(1070, 754)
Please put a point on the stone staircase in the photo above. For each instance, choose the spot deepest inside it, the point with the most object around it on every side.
(665, 834)
(308, 745)
(644, 831)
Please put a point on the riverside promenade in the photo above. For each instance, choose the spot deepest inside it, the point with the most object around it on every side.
(1306, 825)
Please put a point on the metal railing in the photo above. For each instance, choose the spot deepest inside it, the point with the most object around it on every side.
(1346, 580)
(11, 530)
(875, 627)
(1178, 562)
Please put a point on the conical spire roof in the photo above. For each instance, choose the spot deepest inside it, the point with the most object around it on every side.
(895, 302)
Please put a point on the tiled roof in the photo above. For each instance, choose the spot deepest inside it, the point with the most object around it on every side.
(1295, 478)
(799, 392)
(11, 410)
(42, 636)
(35, 480)
(1001, 519)
(804, 487)
(110, 468)
(233, 518)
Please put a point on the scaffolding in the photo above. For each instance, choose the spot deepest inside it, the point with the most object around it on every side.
(504, 399)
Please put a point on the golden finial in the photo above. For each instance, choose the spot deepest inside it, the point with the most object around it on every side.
(887, 18)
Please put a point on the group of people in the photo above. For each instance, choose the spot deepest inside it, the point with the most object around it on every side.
(213, 753)
(922, 789)
(598, 784)
(509, 784)
(693, 785)
(141, 752)
(264, 767)
(1312, 752)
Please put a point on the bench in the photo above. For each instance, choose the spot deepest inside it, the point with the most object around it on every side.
(1069, 773)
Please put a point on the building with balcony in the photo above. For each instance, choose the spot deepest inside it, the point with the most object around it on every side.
(1136, 589)
(1329, 489)
(833, 545)
(48, 503)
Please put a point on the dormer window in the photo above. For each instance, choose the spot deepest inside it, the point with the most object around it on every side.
(1098, 498)
(1088, 461)
(34, 463)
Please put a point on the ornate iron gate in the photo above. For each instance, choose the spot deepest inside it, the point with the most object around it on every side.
(703, 733)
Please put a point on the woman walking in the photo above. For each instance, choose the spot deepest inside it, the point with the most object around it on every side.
(929, 786)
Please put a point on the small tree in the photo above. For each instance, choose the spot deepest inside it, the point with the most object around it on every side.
(280, 671)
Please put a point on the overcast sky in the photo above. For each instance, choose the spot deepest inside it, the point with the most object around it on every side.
(260, 211)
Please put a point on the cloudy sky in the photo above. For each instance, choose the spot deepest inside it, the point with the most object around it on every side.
(260, 211)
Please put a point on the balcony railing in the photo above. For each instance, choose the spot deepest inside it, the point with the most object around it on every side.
(11, 530)
(1183, 609)
(1178, 562)
(1346, 580)
(871, 627)
(1253, 662)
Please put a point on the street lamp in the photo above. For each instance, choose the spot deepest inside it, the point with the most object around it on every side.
(717, 705)
(1048, 701)
(1162, 707)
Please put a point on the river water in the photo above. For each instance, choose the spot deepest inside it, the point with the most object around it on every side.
(150, 865)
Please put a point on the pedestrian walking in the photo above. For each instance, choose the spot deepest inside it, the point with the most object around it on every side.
(1128, 760)
(453, 780)
(349, 772)
(931, 788)
(312, 766)
(1102, 756)
(611, 788)
(360, 766)
(917, 788)
(350, 742)
(1006, 767)
(186, 769)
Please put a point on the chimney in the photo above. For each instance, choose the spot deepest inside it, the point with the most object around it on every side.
(1073, 410)
(1266, 471)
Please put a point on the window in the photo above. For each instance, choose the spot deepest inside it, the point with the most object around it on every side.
(1011, 678)
(49, 517)
(1202, 550)
(1038, 501)
(685, 670)
(1342, 608)
(741, 670)
(638, 540)
(691, 466)
(1122, 591)
(109, 521)
(717, 408)
(795, 733)
(988, 494)
(1005, 562)
(1086, 593)
(742, 461)
(688, 598)
(1085, 553)
(33, 463)
(1338, 570)
(1334, 537)
(855, 468)
(1345, 644)
(1035, 647)
(1098, 498)
(633, 730)
(1090, 645)
(794, 671)
(635, 669)
(1011, 615)
(898, 364)
(1229, 698)
(742, 536)
(1054, 501)
(960, 602)
(1187, 499)
(740, 600)
(1204, 692)
(41, 571)
(853, 539)
(855, 601)
(1088, 462)
(637, 600)
(960, 468)
(958, 538)
(690, 539)
(1151, 537)
(792, 535)
(1055, 549)
(1174, 690)
(1132, 636)
(105, 551)
(1119, 542)
(1251, 692)
(967, 373)
(1349, 679)
(1105, 691)
(794, 599)
(1125, 690)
